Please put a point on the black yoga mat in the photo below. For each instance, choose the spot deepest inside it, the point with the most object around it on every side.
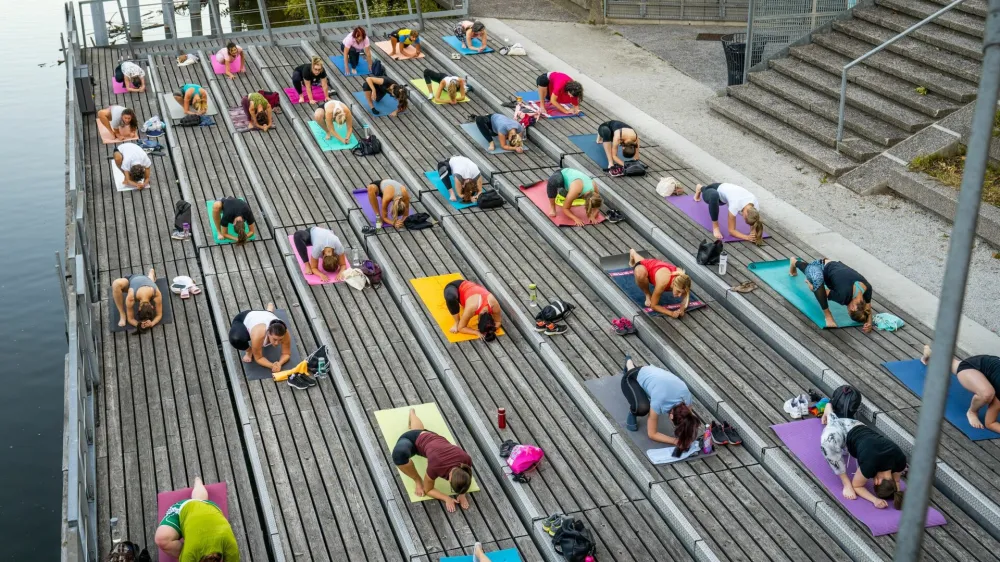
(255, 372)
(617, 268)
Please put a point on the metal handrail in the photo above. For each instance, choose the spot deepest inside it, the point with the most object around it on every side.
(855, 62)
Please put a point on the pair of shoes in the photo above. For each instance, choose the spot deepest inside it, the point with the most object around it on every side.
(180, 235)
(798, 406)
(616, 171)
(368, 230)
(814, 395)
(725, 434)
(550, 328)
(744, 287)
(552, 523)
(301, 382)
(614, 216)
(623, 326)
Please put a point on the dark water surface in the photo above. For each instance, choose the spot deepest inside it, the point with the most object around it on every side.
(32, 340)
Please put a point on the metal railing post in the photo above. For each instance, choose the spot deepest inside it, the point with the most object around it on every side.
(420, 15)
(171, 19)
(368, 19)
(134, 14)
(311, 5)
(963, 234)
(265, 21)
(216, 17)
(751, 8)
(100, 22)
(128, 26)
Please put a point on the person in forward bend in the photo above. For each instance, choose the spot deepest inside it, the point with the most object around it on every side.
(120, 120)
(613, 134)
(662, 276)
(560, 91)
(740, 202)
(138, 300)
(462, 178)
(308, 75)
(879, 459)
(135, 164)
(353, 45)
(466, 31)
(572, 184)
(497, 127)
(326, 248)
(258, 111)
(196, 530)
(403, 38)
(335, 111)
(832, 281)
(132, 76)
(193, 99)
(252, 330)
(376, 87)
(236, 212)
(466, 300)
(444, 460)
(654, 392)
(980, 375)
(395, 202)
(452, 85)
(227, 58)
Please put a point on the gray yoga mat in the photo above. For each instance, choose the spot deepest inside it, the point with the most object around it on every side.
(168, 311)
(473, 131)
(255, 372)
(177, 112)
(608, 391)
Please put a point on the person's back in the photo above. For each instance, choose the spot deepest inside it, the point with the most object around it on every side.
(570, 175)
(840, 280)
(255, 318)
(206, 531)
(665, 389)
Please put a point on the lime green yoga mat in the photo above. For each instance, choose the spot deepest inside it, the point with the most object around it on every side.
(419, 84)
(395, 422)
(333, 144)
(796, 291)
(215, 233)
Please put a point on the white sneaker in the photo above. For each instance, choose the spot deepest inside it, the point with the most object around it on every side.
(804, 405)
(792, 407)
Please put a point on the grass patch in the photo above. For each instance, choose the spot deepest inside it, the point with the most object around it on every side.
(996, 124)
(948, 170)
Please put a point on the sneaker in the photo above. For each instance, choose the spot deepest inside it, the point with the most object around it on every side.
(615, 216)
(552, 523)
(616, 171)
(311, 381)
(631, 423)
(296, 381)
(369, 230)
(540, 325)
(804, 405)
(814, 395)
(792, 408)
(179, 235)
(555, 329)
(622, 326)
(719, 434)
(732, 433)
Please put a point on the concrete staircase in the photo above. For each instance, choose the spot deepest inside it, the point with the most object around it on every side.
(794, 103)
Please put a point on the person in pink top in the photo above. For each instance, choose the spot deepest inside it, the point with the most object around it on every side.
(229, 55)
(353, 45)
(561, 91)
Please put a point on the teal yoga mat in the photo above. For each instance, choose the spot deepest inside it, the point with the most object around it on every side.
(215, 233)
(509, 555)
(796, 291)
(456, 44)
(445, 192)
(333, 144)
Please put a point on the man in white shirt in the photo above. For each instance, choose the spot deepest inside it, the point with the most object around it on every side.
(134, 163)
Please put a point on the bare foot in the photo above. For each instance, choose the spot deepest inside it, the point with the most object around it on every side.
(792, 270)
(831, 323)
(717, 233)
(649, 301)
(418, 490)
(552, 213)
(633, 257)
(697, 192)
(121, 323)
(974, 420)
(463, 501)
(478, 553)
(927, 354)
(248, 356)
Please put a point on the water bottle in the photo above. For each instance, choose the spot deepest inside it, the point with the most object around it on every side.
(187, 229)
(116, 531)
(706, 442)
(355, 257)
(502, 418)
(321, 367)
(532, 295)
(723, 259)
(367, 131)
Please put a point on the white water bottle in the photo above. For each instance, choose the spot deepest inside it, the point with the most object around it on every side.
(723, 259)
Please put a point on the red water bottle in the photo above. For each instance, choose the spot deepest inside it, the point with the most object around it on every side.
(502, 418)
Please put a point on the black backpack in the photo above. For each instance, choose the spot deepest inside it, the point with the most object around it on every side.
(555, 311)
(189, 121)
(845, 401)
(313, 362)
(709, 252)
(182, 214)
(490, 199)
(635, 168)
(368, 147)
(418, 221)
(574, 541)
(377, 68)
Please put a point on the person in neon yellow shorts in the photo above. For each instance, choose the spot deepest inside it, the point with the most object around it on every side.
(206, 534)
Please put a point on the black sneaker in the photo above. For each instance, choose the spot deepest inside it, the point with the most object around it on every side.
(540, 325)
(311, 381)
(719, 434)
(297, 382)
(375, 111)
(814, 395)
(732, 433)
(555, 329)
(615, 216)
(369, 230)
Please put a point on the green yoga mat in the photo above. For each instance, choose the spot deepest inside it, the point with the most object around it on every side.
(419, 84)
(333, 144)
(796, 291)
(395, 422)
(215, 233)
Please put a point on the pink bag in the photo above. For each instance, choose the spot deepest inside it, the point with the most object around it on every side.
(523, 458)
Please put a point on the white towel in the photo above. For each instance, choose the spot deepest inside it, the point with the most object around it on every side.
(666, 454)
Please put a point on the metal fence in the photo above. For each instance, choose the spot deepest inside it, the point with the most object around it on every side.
(774, 25)
(678, 10)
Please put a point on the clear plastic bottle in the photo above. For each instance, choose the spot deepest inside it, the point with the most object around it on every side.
(116, 531)
(706, 443)
(723, 262)
(533, 295)
(355, 257)
(187, 229)
(321, 367)
(367, 131)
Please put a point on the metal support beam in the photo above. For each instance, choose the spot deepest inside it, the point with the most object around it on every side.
(194, 10)
(265, 21)
(420, 16)
(128, 26)
(751, 9)
(135, 17)
(100, 23)
(216, 17)
(312, 6)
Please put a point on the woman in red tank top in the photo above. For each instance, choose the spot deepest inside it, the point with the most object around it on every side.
(662, 276)
(466, 299)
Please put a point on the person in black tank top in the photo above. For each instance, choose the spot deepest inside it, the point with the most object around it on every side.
(378, 86)
(980, 375)
(613, 134)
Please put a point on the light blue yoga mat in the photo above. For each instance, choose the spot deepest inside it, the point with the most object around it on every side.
(473, 131)
(913, 373)
(384, 107)
(362, 69)
(456, 44)
(796, 291)
(595, 151)
(445, 192)
(509, 555)
(333, 144)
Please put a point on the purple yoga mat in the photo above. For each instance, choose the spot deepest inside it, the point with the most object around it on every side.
(803, 439)
(216, 494)
(698, 211)
(361, 196)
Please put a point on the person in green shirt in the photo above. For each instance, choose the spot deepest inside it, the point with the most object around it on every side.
(195, 530)
(258, 111)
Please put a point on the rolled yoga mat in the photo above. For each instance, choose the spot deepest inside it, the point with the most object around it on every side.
(588, 144)
(317, 90)
(333, 144)
(508, 555)
(310, 278)
(698, 212)
(361, 196)
(386, 47)
(385, 106)
(395, 422)
(473, 131)
(538, 195)
(446, 192)
(421, 86)
(803, 439)
(794, 289)
(255, 372)
(216, 494)
(220, 68)
(553, 111)
(230, 229)
(176, 111)
(168, 311)
(431, 292)
(456, 44)
(362, 69)
(618, 269)
(608, 391)
(913, 373)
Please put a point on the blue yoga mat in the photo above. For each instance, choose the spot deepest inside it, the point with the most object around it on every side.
(554, 112)
(362, 69)
(384, 107)
(912, 373)
(795, 291)
(595, 151)
(456, 44)
(509, 555)
(616, 267)
(333, 144)
(473, 131)
(445, 192)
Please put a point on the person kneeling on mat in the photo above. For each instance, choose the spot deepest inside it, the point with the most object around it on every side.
(654, 392)
(197, 530)
(251, 330)
(613, 134)
(132, 76)
(454, 85)
(462, 178)
(740, 202)
(135, 164)
(337, 112)
(193, 99)
(444, 460)
(508, 132)
(306, 76)
(395, 204)
(233, 211)
(832, 281)
(466, 31)
(227, 56)
(470, 300)
(325, 246)
(561, 91)
(573, 184)
(258, 111)
(405, 37)
(663, 276)
(878, 459)
(980, 375)
(353, 45)
(378, 86)
(138, 300)
(116, 117)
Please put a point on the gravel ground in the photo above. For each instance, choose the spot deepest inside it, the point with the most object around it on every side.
(535, 10)
(672, 85)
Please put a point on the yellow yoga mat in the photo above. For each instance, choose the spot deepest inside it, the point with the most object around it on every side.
(395, 422)
(431, 291)
(419, 84)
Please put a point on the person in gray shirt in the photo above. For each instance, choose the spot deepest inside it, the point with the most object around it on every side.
(326, 248)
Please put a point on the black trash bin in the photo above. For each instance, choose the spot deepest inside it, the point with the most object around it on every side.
(735, 47)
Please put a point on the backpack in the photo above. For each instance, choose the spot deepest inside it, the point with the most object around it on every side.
(490, 199)
(521, 459)
(127, 551)
(555, 311)
(182, 214)
(313, 362)
(574, 541)
(377, 68)
(367, 147)
(708, 252)
(418, 221)
(373, 272)
(152, 125)
(845, 401)
(635, 168)
(273, 98)
(189, 121)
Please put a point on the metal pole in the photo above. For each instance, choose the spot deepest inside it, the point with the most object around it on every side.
(216, 17)
(922, 463)
(420, 16)
(751, 8)
(265, 21)
(171, 19)
(311, 4)
(128, 25)
(368, 20)
(812, 25)
(134, 14)
(100, 22)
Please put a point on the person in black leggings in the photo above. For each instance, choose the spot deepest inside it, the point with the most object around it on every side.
(980, 375)
(376, 87)
(309, 75)
(508, 132)
(613, 134)
(833, 281)
(454, 85)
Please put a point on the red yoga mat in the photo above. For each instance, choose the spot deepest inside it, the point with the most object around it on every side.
(216, 494)
(536, 192)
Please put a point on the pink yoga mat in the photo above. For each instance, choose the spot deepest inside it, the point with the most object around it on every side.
(118, 87)
(538, 196)
(107, 137)
(220, 68)
(310, 279)
(318, 95)
(698, 211)
(803, 439)
(361, 196)
(216, 494)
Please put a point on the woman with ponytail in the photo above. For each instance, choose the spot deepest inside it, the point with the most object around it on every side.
(195, 530)
(251, 330)
(654, 392)
(878, 458)
(335, 111)
(740, 202)
(571, 185)
(444, 460)
(395, 202)
(453, 85)
(832, 281)
(236, 212)
(662, 276)
(466, 299)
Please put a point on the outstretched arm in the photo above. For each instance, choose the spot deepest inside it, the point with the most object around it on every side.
(158, 299)
(653, 431)
(732, 228)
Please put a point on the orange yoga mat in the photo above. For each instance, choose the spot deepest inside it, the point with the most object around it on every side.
(386, 47)
(107, 137)
(431, 291)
